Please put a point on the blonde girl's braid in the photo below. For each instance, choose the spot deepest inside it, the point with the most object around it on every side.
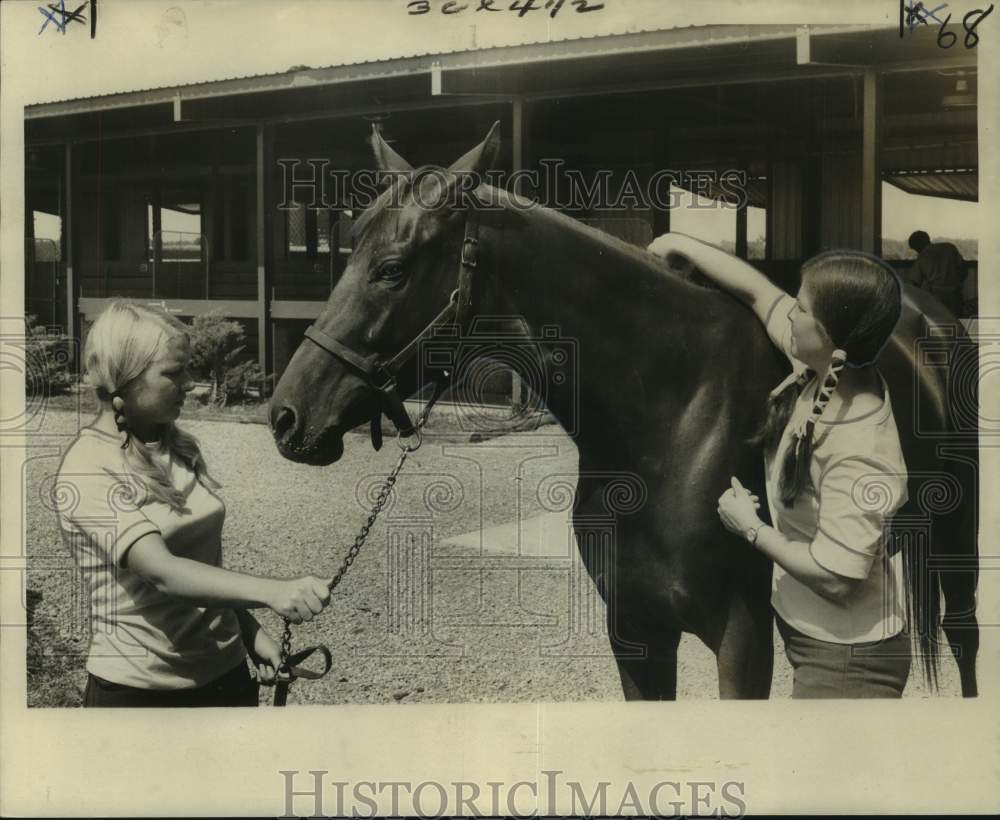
(118, 406)
(124, 340)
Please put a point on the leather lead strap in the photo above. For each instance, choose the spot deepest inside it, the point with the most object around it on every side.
(376, 430)
(296, 671)
(469, 261)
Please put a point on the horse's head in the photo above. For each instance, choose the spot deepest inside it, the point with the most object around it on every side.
(402, 275)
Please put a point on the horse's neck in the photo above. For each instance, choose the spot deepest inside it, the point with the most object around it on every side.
(552, 266)
(639, 334)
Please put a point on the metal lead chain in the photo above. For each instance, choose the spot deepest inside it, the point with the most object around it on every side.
(380, 501)
(359, 541)
(362, 536)
(286, 645)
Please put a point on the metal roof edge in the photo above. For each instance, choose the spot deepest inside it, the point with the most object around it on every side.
(469, 59)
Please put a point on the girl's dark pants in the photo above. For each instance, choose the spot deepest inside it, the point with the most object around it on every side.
(235, 688)
(832, 670)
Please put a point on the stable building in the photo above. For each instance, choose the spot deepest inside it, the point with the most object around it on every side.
(180, 195)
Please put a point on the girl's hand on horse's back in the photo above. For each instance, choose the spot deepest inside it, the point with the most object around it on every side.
(300, 599)
(664, 244)
(669, 246)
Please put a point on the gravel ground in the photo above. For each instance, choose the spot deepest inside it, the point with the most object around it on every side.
(416, 620)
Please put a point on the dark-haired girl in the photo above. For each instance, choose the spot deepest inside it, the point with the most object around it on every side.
(834, 469)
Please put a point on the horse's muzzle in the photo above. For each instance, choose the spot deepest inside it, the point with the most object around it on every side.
(293, 443)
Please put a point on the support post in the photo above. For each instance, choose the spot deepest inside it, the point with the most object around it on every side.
(661, 216)
(157, 242)
(519, 128)
(741, 232)
(68, 247)
(871, 173)
(265, 137)
(769, 210)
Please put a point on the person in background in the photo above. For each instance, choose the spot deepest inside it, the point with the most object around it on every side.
(939, 269)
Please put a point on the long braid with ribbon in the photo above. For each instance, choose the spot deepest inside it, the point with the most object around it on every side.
(795, 467)
(807, 426)
(798, 377)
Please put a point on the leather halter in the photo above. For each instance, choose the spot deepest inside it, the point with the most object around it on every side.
(382, 375)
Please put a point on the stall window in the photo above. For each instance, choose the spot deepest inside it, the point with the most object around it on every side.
(48, 230)
(756, 232)
(178, 226)
(307, 231)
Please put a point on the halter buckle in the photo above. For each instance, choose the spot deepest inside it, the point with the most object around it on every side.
(469, 248)
(378, 372)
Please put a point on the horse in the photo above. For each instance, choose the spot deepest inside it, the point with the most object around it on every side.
(673, 379)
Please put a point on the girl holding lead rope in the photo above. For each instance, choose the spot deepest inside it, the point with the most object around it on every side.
(170, 626)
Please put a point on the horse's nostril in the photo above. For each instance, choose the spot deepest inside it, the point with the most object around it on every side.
(283, 422)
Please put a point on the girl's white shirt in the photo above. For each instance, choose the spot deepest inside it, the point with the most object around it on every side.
(139, 636)
(858, 477)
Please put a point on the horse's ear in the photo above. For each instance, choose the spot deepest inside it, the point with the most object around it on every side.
(385, 158)
(481, 158)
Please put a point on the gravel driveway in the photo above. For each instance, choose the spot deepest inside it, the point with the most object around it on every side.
(419, 618)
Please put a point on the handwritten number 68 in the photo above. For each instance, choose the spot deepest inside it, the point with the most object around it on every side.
(946, 39)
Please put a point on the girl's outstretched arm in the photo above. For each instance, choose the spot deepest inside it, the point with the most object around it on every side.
(298, 599)
(729, 272)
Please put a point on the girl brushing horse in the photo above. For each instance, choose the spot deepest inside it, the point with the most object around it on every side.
(660, 400)
(170, 627)
(835, 472)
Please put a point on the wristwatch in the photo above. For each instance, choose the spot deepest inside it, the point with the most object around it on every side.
(751, 533)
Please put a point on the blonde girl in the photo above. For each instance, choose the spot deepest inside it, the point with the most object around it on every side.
(169, 625)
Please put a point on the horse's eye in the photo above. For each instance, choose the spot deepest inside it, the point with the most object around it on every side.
(391, 271)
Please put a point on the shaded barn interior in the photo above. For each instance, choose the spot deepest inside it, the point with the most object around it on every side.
(183, 196)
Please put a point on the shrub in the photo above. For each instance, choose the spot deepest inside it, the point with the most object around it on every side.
(48, 359)
(218, 350)
(216, 346)
(246, 380)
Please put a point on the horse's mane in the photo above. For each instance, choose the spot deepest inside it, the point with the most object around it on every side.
(600, 241)
(636, 259)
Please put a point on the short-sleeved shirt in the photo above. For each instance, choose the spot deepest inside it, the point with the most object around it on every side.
(858, 481)
(140, 636)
